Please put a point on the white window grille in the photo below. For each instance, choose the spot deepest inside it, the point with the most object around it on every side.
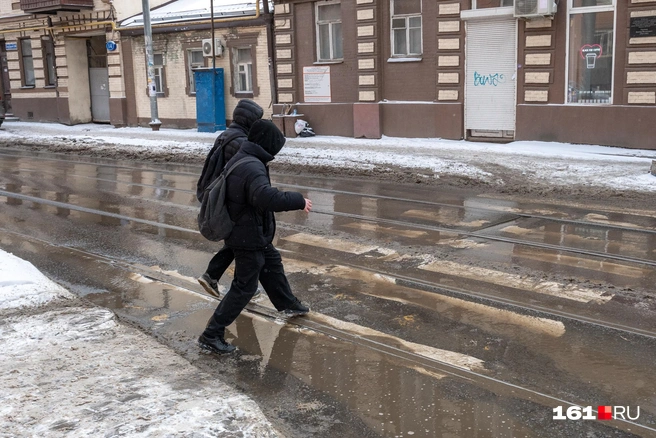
(244, 70)
(406, 28)
(329, 31)
(195, 59)
(158, 65)
(27, 62)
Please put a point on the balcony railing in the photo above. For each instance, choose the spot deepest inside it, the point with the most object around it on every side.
(55, 5)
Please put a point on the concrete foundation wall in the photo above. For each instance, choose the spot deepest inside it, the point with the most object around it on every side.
(36, 109)
(423, 120)
(625, 126)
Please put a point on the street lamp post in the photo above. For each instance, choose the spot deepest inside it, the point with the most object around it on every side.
(155, 123)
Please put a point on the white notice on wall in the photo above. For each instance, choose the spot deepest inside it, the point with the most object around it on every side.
(316, 84)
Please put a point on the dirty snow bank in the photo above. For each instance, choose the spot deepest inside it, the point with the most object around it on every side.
(22, 285)
(77, 371)
(520, 165)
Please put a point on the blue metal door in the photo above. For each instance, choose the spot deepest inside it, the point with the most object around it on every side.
(210, 102)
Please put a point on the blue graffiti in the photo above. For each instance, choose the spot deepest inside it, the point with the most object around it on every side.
(491, 79)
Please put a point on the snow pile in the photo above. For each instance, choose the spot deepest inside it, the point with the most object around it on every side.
(531, 162)
(77, 371)
(22, 285)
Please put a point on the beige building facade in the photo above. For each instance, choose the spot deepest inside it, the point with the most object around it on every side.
(244, 59)
(74, 61)
(50, 50)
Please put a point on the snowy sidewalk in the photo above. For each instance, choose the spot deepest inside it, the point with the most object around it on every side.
(522, 162)
(70, 368)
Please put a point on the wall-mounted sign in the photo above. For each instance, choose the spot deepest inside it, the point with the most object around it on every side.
(643, 27)
(316, 84)
(111, 46)
(590, 53)
(11, 46)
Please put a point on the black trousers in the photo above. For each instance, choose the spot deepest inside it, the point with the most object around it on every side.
(264, 266)
(220, 262)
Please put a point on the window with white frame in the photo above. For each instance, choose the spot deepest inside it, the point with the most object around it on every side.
(484, 4)
(243, 70)
(406, 27)
(329, 31)
(195, 59)
(591, 36)
(49, 61)
(27, 62)
(160, 78)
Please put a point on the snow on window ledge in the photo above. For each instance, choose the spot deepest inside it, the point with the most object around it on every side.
(416, 59)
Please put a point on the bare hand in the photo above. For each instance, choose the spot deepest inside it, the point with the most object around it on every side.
(308, 205)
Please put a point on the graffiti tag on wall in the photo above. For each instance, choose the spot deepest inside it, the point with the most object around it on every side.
(493, 79)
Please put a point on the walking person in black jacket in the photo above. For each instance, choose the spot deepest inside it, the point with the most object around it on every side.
(251, 202)
(225, 147)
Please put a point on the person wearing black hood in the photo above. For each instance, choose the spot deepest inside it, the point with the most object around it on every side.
(245, 114)
(251, 202)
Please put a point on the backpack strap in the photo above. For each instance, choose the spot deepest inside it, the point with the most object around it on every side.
(229, 138)
(240, 161)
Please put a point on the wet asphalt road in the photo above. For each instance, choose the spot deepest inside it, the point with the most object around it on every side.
(434, 313)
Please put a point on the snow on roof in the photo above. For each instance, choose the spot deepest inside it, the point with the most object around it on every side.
(186, 10)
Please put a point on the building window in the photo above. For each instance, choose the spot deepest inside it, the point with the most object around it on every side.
(243, 64)
(406, 27)
(587, 3)
(160, 77)
(27, 62)
(329, 32)
(591, 34)
(484, 4)
(49, 61)
(195, 59)
(243, 70)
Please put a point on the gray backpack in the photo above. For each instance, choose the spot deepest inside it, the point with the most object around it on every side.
(214, 222)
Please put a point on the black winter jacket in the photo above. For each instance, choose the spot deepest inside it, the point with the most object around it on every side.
(252, 201)
(245, 114)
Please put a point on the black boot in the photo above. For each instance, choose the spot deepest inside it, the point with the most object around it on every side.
(296, 309)
(215, 345)
(210, 285)
(213, 340)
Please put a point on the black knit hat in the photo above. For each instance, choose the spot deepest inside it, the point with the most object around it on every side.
(246, 113)
(266, 134)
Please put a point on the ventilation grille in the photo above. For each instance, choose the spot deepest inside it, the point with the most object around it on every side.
(526, 7)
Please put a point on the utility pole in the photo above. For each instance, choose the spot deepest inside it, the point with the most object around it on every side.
(155, 123)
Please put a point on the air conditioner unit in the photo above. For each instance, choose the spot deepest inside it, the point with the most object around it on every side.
(534, 8)
(207, 47)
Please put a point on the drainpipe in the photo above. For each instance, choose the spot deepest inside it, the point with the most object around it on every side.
(116, 28)
(272, 59)
(52, 28)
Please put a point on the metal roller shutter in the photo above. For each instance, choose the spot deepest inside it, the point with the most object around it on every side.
(490, 88)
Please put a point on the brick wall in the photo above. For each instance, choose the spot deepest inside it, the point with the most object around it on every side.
(541, 60)
(178, 104)
(640, 75)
